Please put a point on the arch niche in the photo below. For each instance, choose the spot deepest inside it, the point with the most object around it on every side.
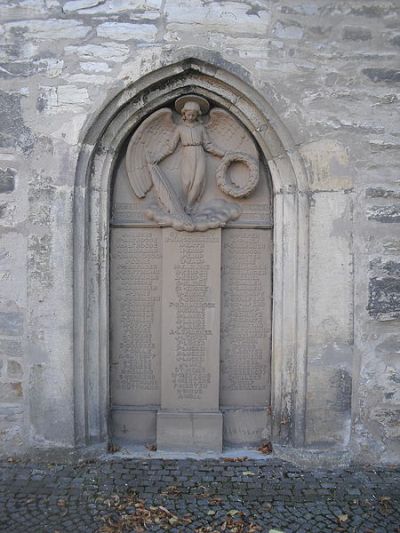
(100, 156)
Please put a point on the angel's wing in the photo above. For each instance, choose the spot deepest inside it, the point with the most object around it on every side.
(148, 141)
(225, 131)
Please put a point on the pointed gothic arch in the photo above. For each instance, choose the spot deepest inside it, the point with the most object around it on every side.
(99, 151)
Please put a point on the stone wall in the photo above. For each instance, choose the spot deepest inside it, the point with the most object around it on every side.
(330, 72)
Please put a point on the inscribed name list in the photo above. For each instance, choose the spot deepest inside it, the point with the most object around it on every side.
(135, 280)
(190, 320)
(246, 317)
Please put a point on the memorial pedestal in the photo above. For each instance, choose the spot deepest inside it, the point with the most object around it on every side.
(189, 418)
(189, 432)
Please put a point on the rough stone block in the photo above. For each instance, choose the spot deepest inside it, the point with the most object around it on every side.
(384, 290)
(7, 180)
(384, 213)
(115, 52)
(124, 31)
(354, 33)
(228, 17)
(14, 369)
(50, 29)
(10, 392)
(382, 74)
(13, 130)
(11, 323)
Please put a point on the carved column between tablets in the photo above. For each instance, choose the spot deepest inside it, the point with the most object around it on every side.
(189, 418)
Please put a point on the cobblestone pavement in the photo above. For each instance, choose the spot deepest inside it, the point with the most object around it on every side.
(246, 496)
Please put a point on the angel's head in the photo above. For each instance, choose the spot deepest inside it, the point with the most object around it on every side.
(191, 111)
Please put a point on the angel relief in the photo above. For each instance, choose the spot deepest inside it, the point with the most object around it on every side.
(192, 165)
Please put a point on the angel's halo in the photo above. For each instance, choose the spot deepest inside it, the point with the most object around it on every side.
(181, 101)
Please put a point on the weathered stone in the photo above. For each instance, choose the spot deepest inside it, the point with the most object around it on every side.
(10, 392)
(77, 5)
(14, 369)
(217, 16)
(384, 297)
(61, 99)
(381, 192)
(13, 130)
(382, 74)
(147, 9)
(51, 29)
(314, 86)
(390, 345)
(124, 31)
(11, 348)
(95, 67)
(11, 323)
(115, 52)
(388, 213)
(329, 165)
(291, 32)
(395, 40)
(7, 180)
(355, 33)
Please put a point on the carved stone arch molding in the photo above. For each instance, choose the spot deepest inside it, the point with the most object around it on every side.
(99, 153)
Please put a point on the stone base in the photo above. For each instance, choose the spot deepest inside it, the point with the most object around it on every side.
(246, 426)
(136, 425)
(189, 432)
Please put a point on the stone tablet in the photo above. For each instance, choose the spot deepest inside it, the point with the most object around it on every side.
(245, 322)
(135, 316)
(190, 320)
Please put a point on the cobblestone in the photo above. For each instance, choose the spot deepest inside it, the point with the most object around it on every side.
(201, 496)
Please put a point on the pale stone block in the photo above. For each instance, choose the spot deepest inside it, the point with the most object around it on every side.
(283, 31)
(189, 432)
(95, 67)
(14, 369)
(228, 17)
(147, 9)
(10, 392)
(331, 269)
(134, 425)
(115, 52)
(78, 5)
(125, 31)
(50, 29)
(246, 427)
(329, 165)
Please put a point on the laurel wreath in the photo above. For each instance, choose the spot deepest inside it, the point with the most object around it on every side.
(227, 186)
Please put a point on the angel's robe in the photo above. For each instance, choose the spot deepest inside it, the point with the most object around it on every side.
(195, 141)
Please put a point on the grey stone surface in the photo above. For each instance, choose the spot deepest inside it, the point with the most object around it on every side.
(199, 496)
(7, 180)
(316, 85)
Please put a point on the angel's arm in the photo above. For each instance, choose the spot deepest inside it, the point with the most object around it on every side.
(172, 144)
(209, 146)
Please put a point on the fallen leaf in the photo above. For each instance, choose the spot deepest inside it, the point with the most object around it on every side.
(343, 518)
(113, 448)
(265, 447)
(215, 500)
(151, 447)
(248, 473)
